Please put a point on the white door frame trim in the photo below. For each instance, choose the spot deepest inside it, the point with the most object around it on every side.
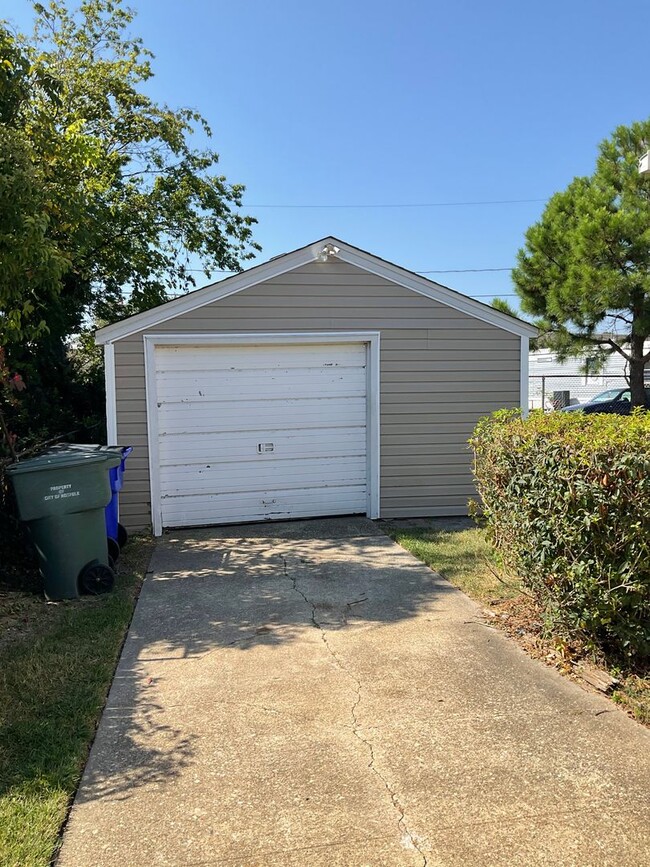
(370, 338)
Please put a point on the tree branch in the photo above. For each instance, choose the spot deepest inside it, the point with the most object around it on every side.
(601, 342)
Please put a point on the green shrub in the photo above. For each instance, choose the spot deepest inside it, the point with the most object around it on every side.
(566, 502)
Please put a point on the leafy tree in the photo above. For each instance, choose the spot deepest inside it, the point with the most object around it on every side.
(104, 200)
(32, 261)
(585, 267)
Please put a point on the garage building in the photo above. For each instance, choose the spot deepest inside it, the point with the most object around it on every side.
(324, 382)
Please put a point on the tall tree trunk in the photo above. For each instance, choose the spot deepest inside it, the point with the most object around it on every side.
(637, 371)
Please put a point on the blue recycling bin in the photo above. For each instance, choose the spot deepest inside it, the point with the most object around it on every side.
(114, 530)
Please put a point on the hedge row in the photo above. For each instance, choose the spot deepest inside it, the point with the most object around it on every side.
(566, 501)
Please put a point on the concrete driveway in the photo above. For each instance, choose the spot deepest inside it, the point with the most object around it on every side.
(310, 694)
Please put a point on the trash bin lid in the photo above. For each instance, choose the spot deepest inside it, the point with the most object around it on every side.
(124, 451)
(63, 458)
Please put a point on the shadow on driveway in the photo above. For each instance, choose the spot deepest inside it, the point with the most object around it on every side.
(239, 588)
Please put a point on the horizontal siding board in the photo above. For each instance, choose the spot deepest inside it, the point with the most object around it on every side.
(136, 509)
(130, 377)
(462, 410)
(131, 349)
(138, 442)
(469, 388)
(405, 498)
(396, 427)
(418, 452)
(132, 410)
(444, 350)
(419, 368)
(290, 297)
(139, 478)
(412, 511)
(417, 456)
(343, 282)
(398, 441)
(427, 473)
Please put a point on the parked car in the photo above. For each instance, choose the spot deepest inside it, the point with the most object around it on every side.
(616, 400)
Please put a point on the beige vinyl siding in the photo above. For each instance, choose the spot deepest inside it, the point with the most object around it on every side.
(440, 371)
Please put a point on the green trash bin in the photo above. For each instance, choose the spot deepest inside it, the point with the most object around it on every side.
(61, 497)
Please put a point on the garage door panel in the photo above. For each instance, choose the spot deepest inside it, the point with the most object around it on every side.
(224, 447)
(190, 385)
(263, 506)
(261, 414)
(251, 475)
(222, 358)
(264, 432)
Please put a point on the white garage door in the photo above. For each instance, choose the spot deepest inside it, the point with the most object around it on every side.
(248, 433)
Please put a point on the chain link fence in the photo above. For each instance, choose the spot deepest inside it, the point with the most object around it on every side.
(553, 391)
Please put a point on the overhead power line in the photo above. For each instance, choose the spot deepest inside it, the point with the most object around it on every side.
(445, 271)
(407, 204)
(464, 271)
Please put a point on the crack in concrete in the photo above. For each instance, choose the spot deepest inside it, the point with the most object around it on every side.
(356, 725)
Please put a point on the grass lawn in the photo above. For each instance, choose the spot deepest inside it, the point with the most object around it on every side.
(458, 550)
(56, 665)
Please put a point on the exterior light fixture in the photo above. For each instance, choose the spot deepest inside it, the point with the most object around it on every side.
(328, 252)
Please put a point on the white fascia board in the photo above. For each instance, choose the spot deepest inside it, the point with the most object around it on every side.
(448, 297)
(209, 294)
(111, 396)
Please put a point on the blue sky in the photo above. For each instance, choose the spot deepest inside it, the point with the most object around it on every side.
(376, 103)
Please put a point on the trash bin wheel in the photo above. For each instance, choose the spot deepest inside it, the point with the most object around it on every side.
(96, 578)
(113, 549)
(122, 535)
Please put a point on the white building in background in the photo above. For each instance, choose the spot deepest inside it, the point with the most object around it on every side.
(549, 380)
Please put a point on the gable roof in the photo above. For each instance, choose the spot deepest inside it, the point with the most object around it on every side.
(303, 256)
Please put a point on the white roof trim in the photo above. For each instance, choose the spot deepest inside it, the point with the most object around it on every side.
(303, 256)
(448, 297)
